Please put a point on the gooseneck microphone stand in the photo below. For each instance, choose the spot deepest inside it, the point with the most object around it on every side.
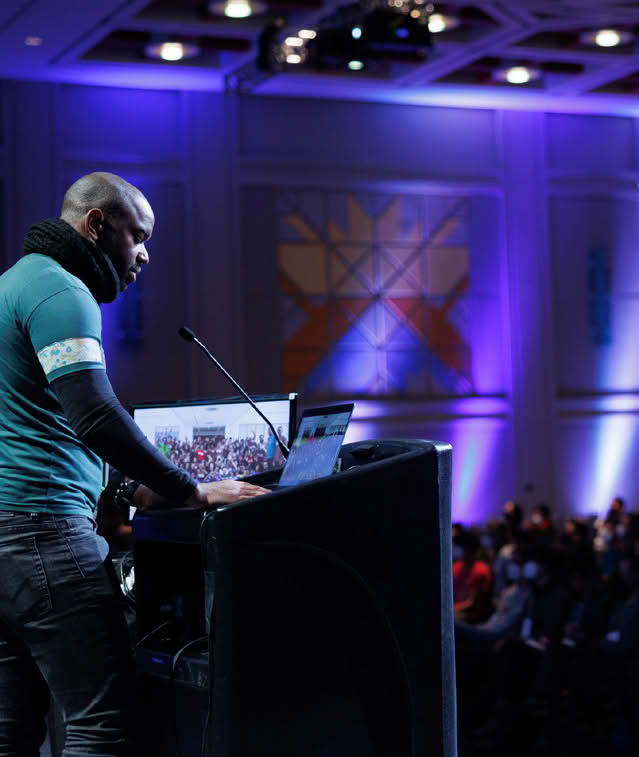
(189, 336)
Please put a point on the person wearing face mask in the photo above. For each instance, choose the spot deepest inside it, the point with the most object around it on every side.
(505, 558)
(477, 646)
(510, 606)
(472, 600)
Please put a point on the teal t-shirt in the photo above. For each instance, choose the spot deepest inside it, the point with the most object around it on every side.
(50, 325)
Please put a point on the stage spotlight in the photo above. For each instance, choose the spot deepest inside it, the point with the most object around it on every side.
(355, 65)
(356, 32)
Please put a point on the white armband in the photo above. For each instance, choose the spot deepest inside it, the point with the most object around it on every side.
(70, 351)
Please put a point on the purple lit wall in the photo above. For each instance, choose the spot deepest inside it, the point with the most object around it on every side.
(308, 229)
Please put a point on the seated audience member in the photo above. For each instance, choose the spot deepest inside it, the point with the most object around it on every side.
(629, 616)
(472, 582)
(628, 532)
(506, 557)
(526, 665)
(557, 661)
(615, 512)
(575, 537)
(511, 605)
(552, 599)
(606, 528)
(513, 516)
(607, 675)
(593, 605)
(608, 546)
(541, 527)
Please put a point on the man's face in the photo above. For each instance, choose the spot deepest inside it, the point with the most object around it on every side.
(123, 238)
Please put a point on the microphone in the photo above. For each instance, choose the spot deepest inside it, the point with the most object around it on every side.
(189, 336)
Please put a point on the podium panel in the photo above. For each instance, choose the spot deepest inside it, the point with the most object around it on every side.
(333, 616)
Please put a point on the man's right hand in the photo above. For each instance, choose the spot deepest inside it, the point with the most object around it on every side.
(223, 493)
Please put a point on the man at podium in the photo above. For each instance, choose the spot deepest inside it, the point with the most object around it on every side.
(61, 625)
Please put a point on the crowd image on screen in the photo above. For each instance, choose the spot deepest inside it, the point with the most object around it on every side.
(217, 458)
(547, 633)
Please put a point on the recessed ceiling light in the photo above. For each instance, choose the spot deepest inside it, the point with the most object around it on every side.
(293, 58)
(307, 33)
(171, 51)
(294, 41)
(33, 41)
(437, 22)
(237, 8)
(355, 65)
(517, 74)
(606, 37)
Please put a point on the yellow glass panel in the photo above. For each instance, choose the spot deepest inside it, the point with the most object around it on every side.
(356, 278)
(305, 265)
(302, 228)
(360, 223)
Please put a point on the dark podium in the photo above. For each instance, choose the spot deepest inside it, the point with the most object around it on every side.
(332, 624)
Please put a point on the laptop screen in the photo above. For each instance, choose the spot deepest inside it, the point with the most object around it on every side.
(317, 444)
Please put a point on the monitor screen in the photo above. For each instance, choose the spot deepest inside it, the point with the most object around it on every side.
(219, 439)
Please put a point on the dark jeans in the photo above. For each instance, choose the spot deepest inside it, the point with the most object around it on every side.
(62, 631)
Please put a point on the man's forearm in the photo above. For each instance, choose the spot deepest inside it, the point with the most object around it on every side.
(97, 417)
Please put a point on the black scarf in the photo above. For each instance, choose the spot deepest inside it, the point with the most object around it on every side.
(79, 256)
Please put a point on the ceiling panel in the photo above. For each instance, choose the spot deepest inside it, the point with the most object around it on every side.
(104, 41)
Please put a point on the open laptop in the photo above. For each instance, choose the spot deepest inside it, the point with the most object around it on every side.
(316, 445)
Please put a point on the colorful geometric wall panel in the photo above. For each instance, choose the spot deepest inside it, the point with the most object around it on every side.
(375, 294)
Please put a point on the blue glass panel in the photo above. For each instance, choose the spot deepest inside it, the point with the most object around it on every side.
(373, 204)
(288, 232)
(443, 377)
(338, 212)
(355, 370)
(313, 211)
(354, 337)
(404, 337)
(320, 379)
(406, 370)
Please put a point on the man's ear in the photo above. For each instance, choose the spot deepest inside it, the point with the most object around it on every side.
(94, 220)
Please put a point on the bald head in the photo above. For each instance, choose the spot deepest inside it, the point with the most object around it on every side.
(115, 216)
(111, 194)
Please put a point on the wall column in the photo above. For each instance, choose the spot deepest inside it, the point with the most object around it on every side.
(529, 286)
